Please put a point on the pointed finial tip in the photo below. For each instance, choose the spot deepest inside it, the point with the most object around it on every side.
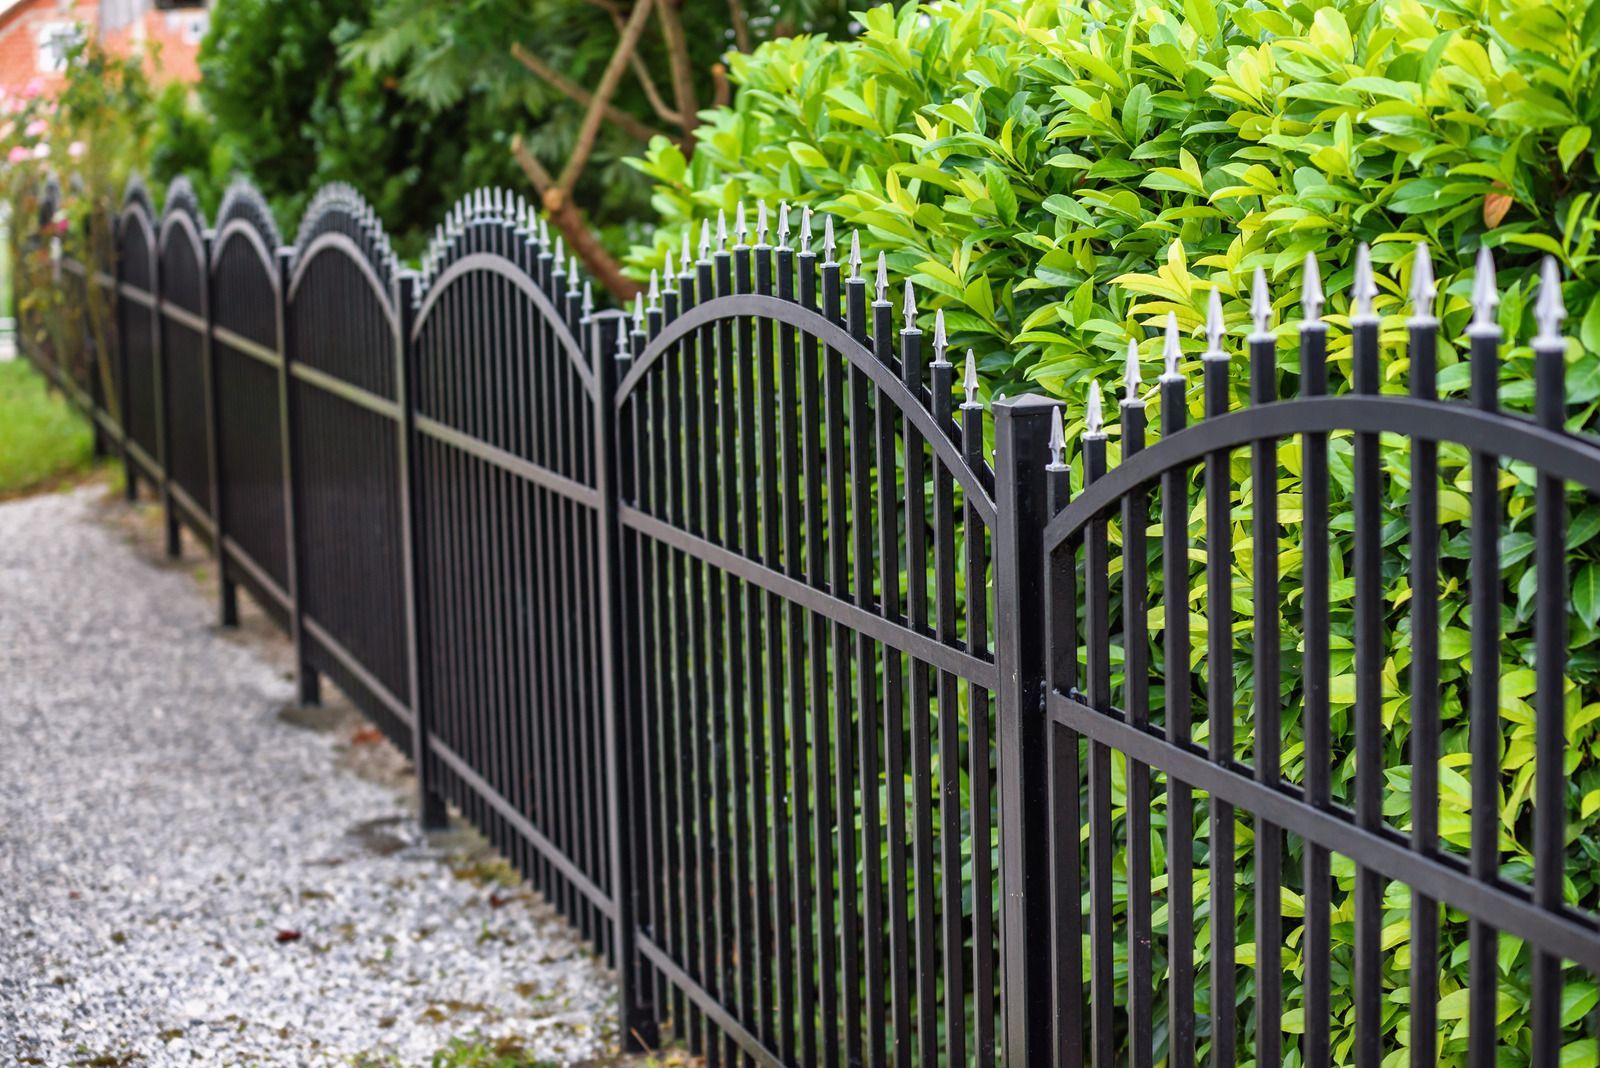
(827, 237)
(855, 253)
(1094, 417)
(1423, 288)
(910, 307)
(1058, 440)
(883, 276)
(1485, 295)
(588, 297)
(939, 340)
(1171, 350)
(1311, 296)
(705, 238)
(1365, 287)
(655, 284)
(1215, 327)
(1130, 371)
(1549, 310)
(1261, 301)
(805, 228)
(969, 382)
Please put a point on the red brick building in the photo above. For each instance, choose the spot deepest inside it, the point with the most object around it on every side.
(34, 35)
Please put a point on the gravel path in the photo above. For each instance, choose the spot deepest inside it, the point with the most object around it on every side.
(188, 877)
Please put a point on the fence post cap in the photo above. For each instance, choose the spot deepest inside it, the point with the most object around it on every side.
(1026, 404)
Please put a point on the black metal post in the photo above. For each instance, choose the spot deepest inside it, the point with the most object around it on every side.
(1022, 436)
(130, 476)
(627, 812)
(227, 590)
(308, 682)
(158, 363)
(430, 803)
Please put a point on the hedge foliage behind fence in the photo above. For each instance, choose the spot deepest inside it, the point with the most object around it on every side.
(1059, 176)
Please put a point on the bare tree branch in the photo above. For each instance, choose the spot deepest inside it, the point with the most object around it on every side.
(741, 25)
(647, 83)
(622, 120)
(721, 91)
(609, 80)
(681, 65)
(564, 216)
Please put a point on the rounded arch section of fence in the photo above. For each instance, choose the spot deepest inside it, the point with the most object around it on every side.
(506, 519)
(245, 295)
(806, 519)
(1309, 656)
(342, 331)
(185, 370)
(138, 323)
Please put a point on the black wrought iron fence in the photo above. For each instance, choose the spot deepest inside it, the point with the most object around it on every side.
(844, 746)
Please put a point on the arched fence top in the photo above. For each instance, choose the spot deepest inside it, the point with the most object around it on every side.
(245, 217)
(339, 219)
(1511, 437)
(136, 197)
(182, 201)
(244, 203)
(435, 287)
(976, 482)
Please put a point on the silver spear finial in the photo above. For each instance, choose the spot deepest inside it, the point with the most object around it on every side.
(883, 277)
(1215, 328)
(1423, 289)
(1058, 440)
(1094, 417)
(1549, 310)
(1311, 298)
(909, 308)
(1485, 297)
(1130, 371)
(1365, 286)
(1171, 351)
(969, 383)
(1261, 302)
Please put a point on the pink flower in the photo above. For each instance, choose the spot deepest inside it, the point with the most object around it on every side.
(75, 149)
(18, 155)
(36, 128)
(35, 87)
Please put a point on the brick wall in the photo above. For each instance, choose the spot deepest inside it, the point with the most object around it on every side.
(169, 40)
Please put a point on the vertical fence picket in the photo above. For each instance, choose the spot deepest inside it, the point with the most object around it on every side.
(1484, 584)
(1422, 354)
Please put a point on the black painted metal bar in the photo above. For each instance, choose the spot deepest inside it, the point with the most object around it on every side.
(1422, 355)
(1485, 587)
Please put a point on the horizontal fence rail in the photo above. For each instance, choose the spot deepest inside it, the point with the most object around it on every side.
(850, 739)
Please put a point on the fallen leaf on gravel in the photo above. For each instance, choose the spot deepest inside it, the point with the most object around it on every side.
(366, 736)
(288, 936)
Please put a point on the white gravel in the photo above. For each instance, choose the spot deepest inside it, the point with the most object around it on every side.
(160, 825)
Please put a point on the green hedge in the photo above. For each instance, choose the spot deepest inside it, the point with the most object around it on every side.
(1058, 177)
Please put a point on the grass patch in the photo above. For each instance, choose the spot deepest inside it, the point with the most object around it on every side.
(43, 439)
